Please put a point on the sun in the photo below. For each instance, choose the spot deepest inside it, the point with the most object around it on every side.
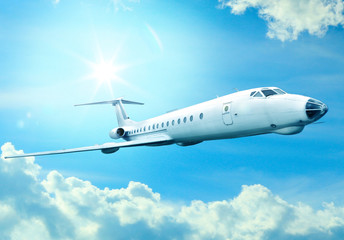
(104, 71)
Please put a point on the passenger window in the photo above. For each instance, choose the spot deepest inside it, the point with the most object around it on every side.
(153, 126)
(201, 116)
(157, 126)
(162, 125)
(184, 120)
(191, 118)
(149, 128)
(258, 94)
(178, 120)
(172, 122)
(144, 128)
(168, 123)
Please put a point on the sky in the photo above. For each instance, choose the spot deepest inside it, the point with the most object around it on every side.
(169, 55)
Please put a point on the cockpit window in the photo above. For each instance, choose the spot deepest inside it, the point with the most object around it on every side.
(279, 91)
(258, 94)
(252, 93)
(268, 92)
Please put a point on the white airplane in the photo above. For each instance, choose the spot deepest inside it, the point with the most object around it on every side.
(241, 114)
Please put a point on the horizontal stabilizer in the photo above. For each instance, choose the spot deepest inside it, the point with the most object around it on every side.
(113, 102)
(122, 116)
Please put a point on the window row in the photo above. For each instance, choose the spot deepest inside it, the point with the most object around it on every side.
(164, 125)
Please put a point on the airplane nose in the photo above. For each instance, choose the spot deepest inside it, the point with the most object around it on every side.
(315, 109)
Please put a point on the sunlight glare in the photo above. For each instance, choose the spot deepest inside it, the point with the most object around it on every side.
(104, 71)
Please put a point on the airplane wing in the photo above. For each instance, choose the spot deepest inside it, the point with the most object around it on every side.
(105, 148)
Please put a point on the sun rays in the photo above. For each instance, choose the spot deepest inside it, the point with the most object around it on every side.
(105, 73)
(105, 69)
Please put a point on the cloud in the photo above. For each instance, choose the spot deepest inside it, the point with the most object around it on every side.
(71, 208)
(286, 19)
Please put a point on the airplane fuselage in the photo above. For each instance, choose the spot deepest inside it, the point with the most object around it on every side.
(235, 115)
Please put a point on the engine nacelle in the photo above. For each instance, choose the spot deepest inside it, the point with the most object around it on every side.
(117, 133)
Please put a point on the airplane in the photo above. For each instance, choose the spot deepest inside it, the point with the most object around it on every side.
(241, 114)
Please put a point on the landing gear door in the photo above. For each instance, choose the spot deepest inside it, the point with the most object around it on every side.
(226, 114)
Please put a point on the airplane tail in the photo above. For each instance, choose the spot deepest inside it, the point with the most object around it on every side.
(122, 116)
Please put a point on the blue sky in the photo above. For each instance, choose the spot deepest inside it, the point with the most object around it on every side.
(169, 54)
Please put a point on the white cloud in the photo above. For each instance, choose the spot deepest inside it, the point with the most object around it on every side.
(70, 208)
(286, 19)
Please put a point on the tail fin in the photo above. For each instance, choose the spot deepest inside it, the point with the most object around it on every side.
(122, 116)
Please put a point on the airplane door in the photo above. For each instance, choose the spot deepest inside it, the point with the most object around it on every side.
(226, 114)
